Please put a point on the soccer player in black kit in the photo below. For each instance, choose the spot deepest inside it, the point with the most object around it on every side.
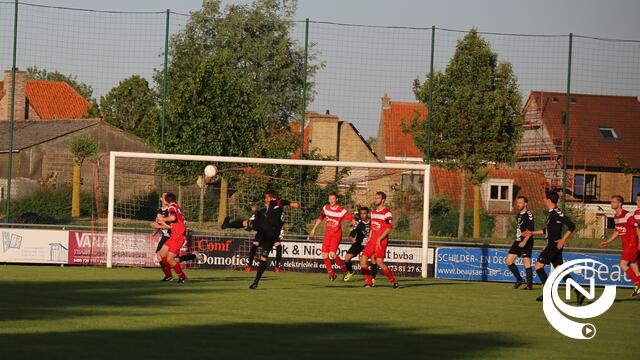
(270, 228)
(250, 225)
(358, 236)
(523, 245)
(552, 253)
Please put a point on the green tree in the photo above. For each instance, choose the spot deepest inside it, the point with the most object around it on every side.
(235, 77)
(131, 106)
(85, 90)
(476, 113)
(82, 148)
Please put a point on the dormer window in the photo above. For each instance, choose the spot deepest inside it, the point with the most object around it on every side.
(608, 133)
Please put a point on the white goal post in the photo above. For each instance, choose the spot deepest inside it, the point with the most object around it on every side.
(114, 155)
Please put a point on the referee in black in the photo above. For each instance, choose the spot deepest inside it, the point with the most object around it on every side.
(552, 253)
(270, 228)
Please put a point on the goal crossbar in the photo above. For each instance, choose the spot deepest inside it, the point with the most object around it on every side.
(269, 161)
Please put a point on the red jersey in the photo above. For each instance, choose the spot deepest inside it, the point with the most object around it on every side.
(179, 225)
(636, 215)
(334, 218)
(380, 221)
(626, 226)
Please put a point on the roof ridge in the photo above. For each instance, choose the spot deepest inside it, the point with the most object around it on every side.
(582, 94)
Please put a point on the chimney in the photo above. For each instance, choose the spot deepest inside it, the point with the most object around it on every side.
(386, 102)
(20, 96)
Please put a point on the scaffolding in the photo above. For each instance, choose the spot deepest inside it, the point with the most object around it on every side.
(538, 151)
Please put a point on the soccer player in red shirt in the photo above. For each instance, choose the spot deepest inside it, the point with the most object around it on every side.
(378, 239)
(628, 230)
(175, 222)
(333, 214)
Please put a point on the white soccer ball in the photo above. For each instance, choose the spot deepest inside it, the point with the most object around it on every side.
(210, 171)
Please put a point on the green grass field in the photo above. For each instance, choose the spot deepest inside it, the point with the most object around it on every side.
(98, 313)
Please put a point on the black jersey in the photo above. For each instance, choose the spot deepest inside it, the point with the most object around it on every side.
(361, 231)
(553, 227)
(524, 222)
(274, 217)
(164, 212)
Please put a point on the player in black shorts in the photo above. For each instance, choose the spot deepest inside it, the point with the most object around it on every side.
(270, 229)
(250, 225)
(552, 253)
(523, 245)
(358, 236)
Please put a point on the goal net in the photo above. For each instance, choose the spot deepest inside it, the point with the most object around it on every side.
(136, 181)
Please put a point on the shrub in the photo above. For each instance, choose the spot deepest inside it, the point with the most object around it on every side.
(48, 206)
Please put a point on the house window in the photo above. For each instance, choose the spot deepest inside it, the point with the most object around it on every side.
(608, 133)
(499, 192)
(635, 188)
(584, 186)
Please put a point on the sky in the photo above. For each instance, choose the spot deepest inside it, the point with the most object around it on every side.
(612, 18)
(360, 64)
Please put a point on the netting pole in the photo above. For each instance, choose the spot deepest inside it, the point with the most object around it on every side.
(112, 188)
(427, 155)
(565, 157)
(12, 115)
(304, 106)
(425, 220)
(164, 99)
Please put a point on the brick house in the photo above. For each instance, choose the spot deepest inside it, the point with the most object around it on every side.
(340, 140)
(41, 154)
(603, 147)
(48, 115)
(40, 99)
(497, 193)
(395, 145)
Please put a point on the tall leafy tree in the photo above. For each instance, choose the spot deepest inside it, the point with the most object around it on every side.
(131, 106)
(476, 114)
(85, 90)
(235, 76)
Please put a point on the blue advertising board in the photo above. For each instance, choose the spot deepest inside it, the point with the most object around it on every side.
(486, 264)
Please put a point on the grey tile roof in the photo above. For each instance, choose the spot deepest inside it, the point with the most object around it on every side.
(28, 133)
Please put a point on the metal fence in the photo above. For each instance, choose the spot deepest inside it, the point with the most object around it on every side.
(359, 64)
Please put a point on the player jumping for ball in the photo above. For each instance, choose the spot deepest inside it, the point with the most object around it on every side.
(171, 249)
(333, 214)
(381, 218)
(270, 229)
(628, 229)
(165, 230)
(552, 253)
(523, 245)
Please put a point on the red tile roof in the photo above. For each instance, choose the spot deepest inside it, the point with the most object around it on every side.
(587, 114)
(397, 143)
(531, 184)
(54, 99)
